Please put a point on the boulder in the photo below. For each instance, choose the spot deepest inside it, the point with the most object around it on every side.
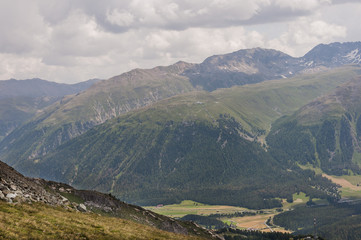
(11, 195)
(81, 207)
(2, 196)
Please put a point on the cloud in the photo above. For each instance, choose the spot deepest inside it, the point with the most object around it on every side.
(305, 33)
(21, 27)
(121, 16)
(69, 41)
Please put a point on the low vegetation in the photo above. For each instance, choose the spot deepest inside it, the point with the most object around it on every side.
(40, 221)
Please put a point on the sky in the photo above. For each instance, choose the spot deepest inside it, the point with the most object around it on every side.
(71, 41)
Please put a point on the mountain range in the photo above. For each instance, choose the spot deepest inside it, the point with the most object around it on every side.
(214, 132)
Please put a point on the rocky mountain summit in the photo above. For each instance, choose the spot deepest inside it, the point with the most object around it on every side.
(333, 55)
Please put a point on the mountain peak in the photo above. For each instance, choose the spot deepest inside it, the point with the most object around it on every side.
(334, 54)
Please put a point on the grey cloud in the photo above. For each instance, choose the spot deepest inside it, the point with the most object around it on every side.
(176, 14)
(21, 28)
(67, 39)
(345, 1)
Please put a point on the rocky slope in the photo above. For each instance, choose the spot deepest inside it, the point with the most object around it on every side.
(332, 55)
(242, 67)
(15, 188)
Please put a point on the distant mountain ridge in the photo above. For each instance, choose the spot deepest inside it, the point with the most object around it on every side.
(258, 64)
(40, 88)
(242, 67)
(20, 100)
(333, 55)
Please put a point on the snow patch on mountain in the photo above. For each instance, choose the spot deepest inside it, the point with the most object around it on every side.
(353, 56)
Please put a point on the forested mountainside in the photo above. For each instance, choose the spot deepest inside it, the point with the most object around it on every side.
(335, 222)
(147, 161)
(325, 133)
(158, 154)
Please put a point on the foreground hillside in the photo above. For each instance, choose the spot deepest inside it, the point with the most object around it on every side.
(40, 221)
(54, 210)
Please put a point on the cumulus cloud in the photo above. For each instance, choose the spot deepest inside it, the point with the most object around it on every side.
(70, 41)
(305, 33)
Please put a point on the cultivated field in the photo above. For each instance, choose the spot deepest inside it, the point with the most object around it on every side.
(190, 207)
(256, 222)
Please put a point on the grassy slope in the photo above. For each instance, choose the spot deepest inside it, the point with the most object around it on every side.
(122, 93)
(255, 106)
(39, 221)
(76, 114)
(261, 104)
(191, 207)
